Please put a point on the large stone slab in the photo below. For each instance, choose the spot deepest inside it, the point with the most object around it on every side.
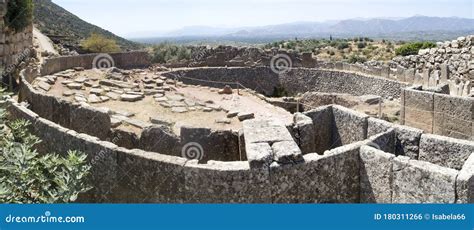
(332, 178)
(453, 116)
(375, 175)
(160, 139)
(305, 133)
(422, 182)
(445, 151)
(260, 135)
(465, 182)
(418, 109)
(226, 182)
(349, 126)
(323, 122)
(265, 131)
(287, 152)
(407, 138)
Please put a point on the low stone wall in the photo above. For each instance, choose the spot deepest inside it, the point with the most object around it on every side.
(298, 80)
(436, 113)
(341, 175)
(336, 126)
(260, 79)
(316, 99)
(82, 118)
(127, 60)
(307, 80)
(417, 145)
(390, 179)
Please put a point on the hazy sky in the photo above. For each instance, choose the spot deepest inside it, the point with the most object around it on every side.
(125, 17)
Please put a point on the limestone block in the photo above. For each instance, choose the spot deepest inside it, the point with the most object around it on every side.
(332, 178)
(407, 138)
(323, 122)
(401, 73)
(422, 182)
(160, 139)
(148, 177)
(226, 182)
(418, 79)
(419, 106)
(124, 138)
(259, 155)
(426, 78)
(305, 133)
(465, 182)
(260, 131)
(349, 126)
(287, 152)
(385, 71)
(453, 116)
(91, 120)
(375, 175)
(444, 73)
(445, 151)
(410, 76)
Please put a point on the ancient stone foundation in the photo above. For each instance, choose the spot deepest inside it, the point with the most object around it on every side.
(347, 168)
(438, 113)
(330, 154)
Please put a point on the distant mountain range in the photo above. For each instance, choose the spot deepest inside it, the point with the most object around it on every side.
(61, 25)
(412, 28)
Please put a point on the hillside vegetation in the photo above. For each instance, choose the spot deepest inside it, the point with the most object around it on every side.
(359, 49)
(67, 28)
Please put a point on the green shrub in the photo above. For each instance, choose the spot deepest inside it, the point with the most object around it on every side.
(361, 45)
(97, 43)
(27, 177)
(343, 45)
(413, 48)
(356, 59)
(166, 52)
(19, 14)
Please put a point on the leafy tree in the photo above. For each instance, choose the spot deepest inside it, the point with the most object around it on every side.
(167, 52)
(19, 14)
(27, 177)
(413, 48)
(97, 43)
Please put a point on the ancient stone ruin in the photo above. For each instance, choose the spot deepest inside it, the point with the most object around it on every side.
(247, 125)
(215, 134)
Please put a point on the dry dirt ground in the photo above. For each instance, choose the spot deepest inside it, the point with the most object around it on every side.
(202, 99)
